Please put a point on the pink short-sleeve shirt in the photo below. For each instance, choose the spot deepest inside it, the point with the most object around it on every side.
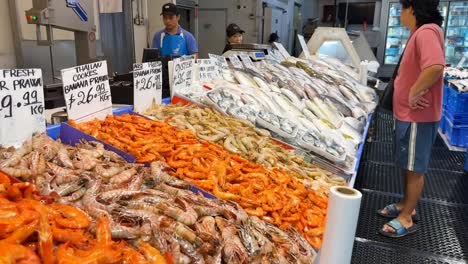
(425, 48)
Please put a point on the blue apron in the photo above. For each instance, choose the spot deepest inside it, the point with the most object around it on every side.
(173, 44)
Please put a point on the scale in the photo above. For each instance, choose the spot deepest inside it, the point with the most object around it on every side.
(256, 52)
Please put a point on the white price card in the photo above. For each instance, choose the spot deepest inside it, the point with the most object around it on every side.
(247, 61)
(282, 50)
(21, 105)
(183, 73)
(87, 92)
(220, 60)
(208, 70)
(305, 49)
(147, 85)
(236, 63)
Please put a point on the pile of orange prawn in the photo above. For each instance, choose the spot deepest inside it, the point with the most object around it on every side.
(147, 141)
(32, 231)
(271, 194)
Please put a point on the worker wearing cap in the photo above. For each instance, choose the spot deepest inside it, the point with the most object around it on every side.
(174, 40)
(234, 36)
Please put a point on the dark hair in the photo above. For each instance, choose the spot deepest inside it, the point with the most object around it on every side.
(273, 38)
(425, 11)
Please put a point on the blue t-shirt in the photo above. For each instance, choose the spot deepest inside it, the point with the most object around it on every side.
(181, 43)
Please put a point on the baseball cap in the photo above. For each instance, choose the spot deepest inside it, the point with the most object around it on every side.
(232, 29)
(169, 9)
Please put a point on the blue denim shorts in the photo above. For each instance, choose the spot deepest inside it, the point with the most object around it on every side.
(413, 144)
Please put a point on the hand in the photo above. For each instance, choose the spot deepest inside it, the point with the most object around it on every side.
(418, 101)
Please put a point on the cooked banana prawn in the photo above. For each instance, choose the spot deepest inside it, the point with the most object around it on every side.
(269, 193)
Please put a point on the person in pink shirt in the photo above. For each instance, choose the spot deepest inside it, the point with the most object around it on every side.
(417, 107)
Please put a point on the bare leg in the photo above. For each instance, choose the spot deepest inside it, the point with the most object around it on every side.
(400, 205)
(414, 188)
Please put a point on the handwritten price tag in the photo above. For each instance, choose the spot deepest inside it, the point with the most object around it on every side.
(183, 73)
(147, 85)
(220, 61)
(208, 70)
(87, 91)
(21, 105)
(236, 63)
(247, 61)
(305, 49)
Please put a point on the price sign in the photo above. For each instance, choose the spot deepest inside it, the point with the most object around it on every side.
(236, 63)
(220, 61)
(282, 50)
(21, 105)
(87, 91)
(305, 49)
(247, 61)
(147, 85)
(208, 70)
(183, 73)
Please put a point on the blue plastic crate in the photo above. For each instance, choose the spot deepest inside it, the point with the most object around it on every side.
(456, 103)
(466, 162)
(444, 96)
(456, 135)
(443, 124)
(457, 119)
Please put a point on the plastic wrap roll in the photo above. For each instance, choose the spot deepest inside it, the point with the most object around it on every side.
(340, 229)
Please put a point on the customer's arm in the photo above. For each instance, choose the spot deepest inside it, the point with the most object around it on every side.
(426, 79)
(431, 59)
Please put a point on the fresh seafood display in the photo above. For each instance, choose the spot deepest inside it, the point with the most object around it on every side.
(155, 211)
(240, 137)
(271, 194)
(63, 232)
(320, 110)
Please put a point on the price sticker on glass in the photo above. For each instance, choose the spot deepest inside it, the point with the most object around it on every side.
(147, 85)
(87, 91)
(21, 105)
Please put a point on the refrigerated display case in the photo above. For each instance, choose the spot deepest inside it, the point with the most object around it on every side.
(395, 35)
(456, 35)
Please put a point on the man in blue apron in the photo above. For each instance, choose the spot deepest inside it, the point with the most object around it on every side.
(174, 40)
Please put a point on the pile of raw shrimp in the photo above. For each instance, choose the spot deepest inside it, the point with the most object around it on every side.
(148, 204)
(35, 231)
(269, 193)
(241, 137)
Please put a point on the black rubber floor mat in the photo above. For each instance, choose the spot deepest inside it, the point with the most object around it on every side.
(383, 115)
(372, 253)
(442, 228)
(381, 152)
(441, 157)
(439, 142)
(440, 185)
(383, 131)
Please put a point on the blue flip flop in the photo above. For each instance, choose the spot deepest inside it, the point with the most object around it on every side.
(400, 230)
(393, 212)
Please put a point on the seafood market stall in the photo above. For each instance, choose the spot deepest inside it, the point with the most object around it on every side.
(316, 107)
(216, 181)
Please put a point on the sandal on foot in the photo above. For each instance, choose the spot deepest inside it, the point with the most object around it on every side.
(391, 211)
(400, 230)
